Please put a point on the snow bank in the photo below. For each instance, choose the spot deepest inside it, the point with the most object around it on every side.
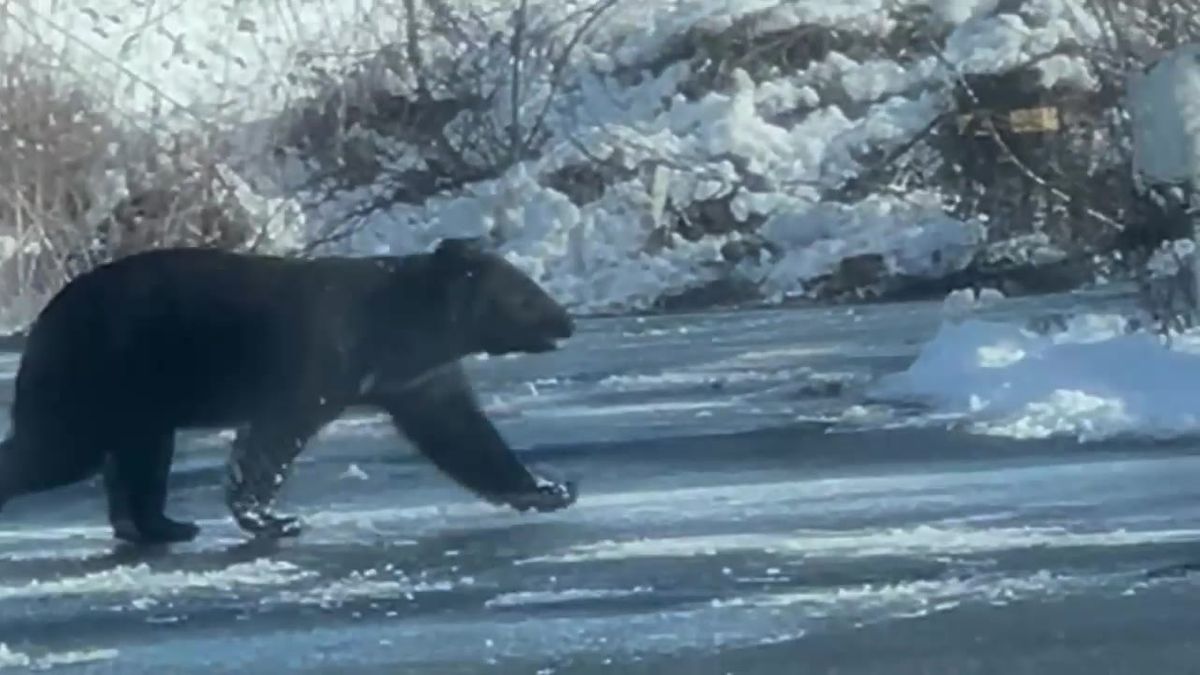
(1092, 380)
(238, 64)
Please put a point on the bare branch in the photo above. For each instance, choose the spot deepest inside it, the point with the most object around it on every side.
(560, 65)
(1007, 150)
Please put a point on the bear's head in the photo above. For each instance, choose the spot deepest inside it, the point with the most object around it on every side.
(499, 306)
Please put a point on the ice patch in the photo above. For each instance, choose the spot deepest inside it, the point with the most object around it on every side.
(1092, 380)
(358, 426)
(922, 540)
(918, 598)
(527, 598)
(798, 497)
(363, 586)
(620, 410)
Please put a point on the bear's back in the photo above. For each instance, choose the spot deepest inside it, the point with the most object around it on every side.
(193, 336)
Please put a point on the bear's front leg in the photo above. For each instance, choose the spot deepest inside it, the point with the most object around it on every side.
(443, 420)
(261, 459)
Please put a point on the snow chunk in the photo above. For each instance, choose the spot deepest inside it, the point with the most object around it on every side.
(11, 659)
(964, 300)
(355, 472)
(1007, 381)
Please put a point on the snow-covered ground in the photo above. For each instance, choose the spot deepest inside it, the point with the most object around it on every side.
(235, 66)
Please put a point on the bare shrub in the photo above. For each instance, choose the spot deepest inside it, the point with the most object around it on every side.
(1168, 287)
(78, 187)
(460, 96)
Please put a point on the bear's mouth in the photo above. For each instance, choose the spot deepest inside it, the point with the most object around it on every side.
(546, 344)
(539, 345)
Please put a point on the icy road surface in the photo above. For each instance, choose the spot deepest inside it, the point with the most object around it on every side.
(748, 506)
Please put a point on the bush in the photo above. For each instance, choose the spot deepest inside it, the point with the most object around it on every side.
(79, 187)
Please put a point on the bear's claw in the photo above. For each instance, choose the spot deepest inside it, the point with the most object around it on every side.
(263, 523)
(547, 496)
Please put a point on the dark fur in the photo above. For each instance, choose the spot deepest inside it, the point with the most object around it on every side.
(132, 351)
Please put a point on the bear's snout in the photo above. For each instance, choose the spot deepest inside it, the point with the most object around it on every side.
(562, 326)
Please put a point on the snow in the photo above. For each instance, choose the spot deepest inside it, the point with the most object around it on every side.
(15, 659)
(1094, 380)
(237, 66)
(921, 540)
(12, 659)
(143, 582)
(1165, 107)
(527, 598)
(964, 300)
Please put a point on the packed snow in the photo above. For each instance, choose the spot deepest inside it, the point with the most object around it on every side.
(239, 65)
(1094, 379)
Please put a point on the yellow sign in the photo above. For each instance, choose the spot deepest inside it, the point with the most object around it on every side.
(1023, 121)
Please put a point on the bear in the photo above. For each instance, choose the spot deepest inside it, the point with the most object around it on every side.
(131, 351)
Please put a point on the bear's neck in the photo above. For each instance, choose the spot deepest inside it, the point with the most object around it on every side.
(412, 319)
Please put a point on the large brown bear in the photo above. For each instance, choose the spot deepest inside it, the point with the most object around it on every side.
(131, 351)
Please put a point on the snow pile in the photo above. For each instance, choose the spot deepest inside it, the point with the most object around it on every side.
(1165, 106)
(1092, 380)
(764, 143)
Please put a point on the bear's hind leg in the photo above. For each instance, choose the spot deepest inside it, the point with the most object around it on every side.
(262, 457)
(135, 480)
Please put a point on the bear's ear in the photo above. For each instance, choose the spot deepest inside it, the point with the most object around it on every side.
(458, 254)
